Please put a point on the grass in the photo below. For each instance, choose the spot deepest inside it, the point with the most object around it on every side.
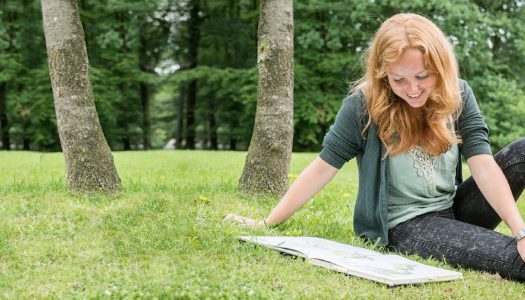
(162, 235)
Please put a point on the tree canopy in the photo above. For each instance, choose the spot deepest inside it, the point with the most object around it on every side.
(142, 62)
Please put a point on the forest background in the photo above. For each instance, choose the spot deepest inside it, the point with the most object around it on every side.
(182, 69)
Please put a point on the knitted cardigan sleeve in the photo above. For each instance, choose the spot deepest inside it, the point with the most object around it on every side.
(344, 139)
(472, 127)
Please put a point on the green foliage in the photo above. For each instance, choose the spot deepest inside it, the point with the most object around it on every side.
(34, 120)
(163, 236)
(23, 67)
(127, 40)
(330, 39)
(233, 92)
(504, 109)
(123, 51)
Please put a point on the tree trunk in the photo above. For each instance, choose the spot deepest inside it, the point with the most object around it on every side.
(180, 115)
(145, 90)
(190, 114)
(144, 100)
(89, 163)
(268, 160)
(26, 143)
(123, 121)
(10, 18)
(193, 53)
(212, 122)
(6, 143)
(214, 142)
(126, 141)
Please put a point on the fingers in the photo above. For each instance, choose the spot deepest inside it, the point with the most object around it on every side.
(229, 217)
(238, 219)
(244, 221)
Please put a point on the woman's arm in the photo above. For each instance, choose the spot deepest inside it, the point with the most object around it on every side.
(311, 180)
(495, 187)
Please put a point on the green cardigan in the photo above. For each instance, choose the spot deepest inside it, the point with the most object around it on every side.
(344, 141)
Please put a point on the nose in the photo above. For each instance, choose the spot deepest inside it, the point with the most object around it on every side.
(413, 86)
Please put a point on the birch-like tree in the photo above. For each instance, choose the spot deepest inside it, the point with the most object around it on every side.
(89, 163)
(268, 160)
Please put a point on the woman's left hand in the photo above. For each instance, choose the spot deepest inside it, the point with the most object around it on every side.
(521, 248)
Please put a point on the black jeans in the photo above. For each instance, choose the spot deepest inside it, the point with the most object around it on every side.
(464, 234)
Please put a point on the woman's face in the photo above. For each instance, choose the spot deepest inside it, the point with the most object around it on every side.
(409, 78)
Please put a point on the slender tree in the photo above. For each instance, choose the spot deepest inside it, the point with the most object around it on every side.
(4, 130)
(193, 54)
(179, 121)
(144, 90)
(8, 20)
(268, 160)
(89, 163)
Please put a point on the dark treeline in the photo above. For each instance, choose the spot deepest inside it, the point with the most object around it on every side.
(184, 69)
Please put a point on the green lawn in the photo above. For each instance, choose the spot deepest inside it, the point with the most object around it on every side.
(163, 237)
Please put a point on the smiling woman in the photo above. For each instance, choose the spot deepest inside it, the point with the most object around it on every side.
(410, 80)
(410, 59)
(407, 122)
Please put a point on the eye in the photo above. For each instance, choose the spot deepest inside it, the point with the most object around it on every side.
(398, 79)
(423, 76)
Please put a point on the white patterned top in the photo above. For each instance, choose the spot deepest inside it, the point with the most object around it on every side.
(419, 183)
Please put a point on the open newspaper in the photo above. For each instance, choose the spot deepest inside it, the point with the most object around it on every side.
(386, 268)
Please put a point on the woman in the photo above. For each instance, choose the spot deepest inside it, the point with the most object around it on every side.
(407, 122)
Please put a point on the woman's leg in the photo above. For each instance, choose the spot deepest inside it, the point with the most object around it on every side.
(440, 236)
(463, 235)
(470, 205)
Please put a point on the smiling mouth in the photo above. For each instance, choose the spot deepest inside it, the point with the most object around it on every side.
(415, 95)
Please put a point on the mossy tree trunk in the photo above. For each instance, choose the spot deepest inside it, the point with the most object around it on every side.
(268, 160)
(89, 163)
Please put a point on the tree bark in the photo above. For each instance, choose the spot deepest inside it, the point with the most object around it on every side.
(268, 160)
(26, 142)
(145, 90)
(146, 124)
(180, 115)
(233, 143)
(6, 143)
(190, 114)
(212, 122)
(89, 163)
(10, 18)
(193, 54)
(126, 141)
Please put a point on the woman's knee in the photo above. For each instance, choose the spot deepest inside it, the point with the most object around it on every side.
(512, 154)
(518, 144)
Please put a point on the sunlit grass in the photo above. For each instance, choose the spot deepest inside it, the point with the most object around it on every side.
(163, 236)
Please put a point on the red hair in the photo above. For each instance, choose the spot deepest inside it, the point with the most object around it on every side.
(398, 129)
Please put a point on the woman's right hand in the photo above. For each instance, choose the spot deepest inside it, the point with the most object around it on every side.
(244, 221)
(312, 179)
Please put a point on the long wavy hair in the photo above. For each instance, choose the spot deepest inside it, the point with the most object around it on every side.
(398, 128)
